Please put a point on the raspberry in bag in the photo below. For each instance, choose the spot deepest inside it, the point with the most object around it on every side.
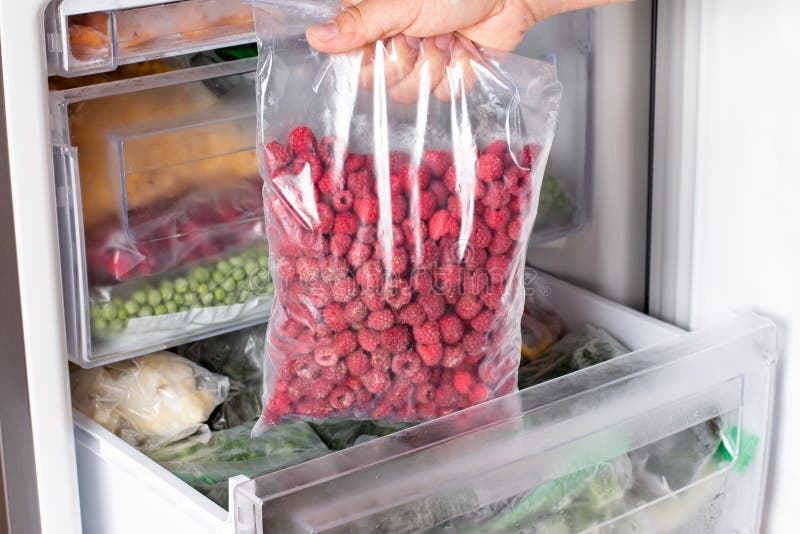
(400, 187)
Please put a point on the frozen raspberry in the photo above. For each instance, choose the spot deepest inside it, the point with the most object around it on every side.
(363, 397)
(354, 162)
(498, 148)
(326, 356)
(333, 268)
(449, 251)
(276, 156)
(406, 412)
(342, 398)
(493, 297)
(476, 282)
(381, 359)
(397, 293)
(306, 368)
(424, 393)
(448, 279)
(319, 388)
(430, 354)
(475, 258)
(496, 219)
(518, 203)
(380, 320)
(345, 223)
(400, 263)
(345, 342)
(473, 343)
(314, 166)
(396, 338)
(280, 403)
(490, 372)
(500, 243)
(483, 322)
(454, 207)
(395, 185)
(514, 228)
(330, 148)
(426, 256)
(353, 382)
(360, 183)
(355, 312)
(496, 195)
(481, 235)
(451, 328)
(397, 160)
(357, 362)
(453, 355)
(286, 269)
(367, 234)
(308, 270)
(408, 175)
(325, 217)
(445, 396)
(442, 224)
(342, 201)
(450, 179)
(412, 315)
(369, 340)
(340, 244)
(490, 167)
(414, 231)
(422, 376)
(319, 294)
(468, 307)
(440, 191)
(302, 140)
(406, 364)
(433, 305)
(297, 388)
(399, 209)
(478, 393)
(427, 333)
(344, 289)
(515, 180)
(426, 411)
(438, 161)
(382, 409)
(334, 316)
(358, 254)
(335, 373)
(462, 381)
(370, 275)
(398, 237)
(480, 192)
(331, 182)
(373, 299)
(530, 153)
(422, 281)
(427, 205)
(375, 381)
(366, 208)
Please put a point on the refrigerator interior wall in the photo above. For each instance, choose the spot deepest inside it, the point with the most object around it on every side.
(608, 255)
(725, 165)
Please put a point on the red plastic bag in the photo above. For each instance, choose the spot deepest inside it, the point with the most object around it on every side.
(398, 205)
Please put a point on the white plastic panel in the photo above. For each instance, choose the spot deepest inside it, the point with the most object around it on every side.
(429, 475)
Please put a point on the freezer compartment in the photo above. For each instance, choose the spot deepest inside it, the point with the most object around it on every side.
(160, 213)
(644, 409)
(84, 38)
(563, 206)
(521, 453)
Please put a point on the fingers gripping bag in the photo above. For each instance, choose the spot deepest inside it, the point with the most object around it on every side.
(401, 183)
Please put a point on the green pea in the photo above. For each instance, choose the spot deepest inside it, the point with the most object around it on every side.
(132, 307)
(224, 267)
(122, 314)
(181, 285)
(200, 274)
(217, 276)
(109, 312)
(228, 300)
(183, 308)
(190, 299)
(117, 326)
(229, 285)
(236, 261)
(160, 309)
(172, 307)
(219, 294)
(99, 324)
(178, 299)
(202, 289)
(250, 266)
(96, 312)
(153, 298)
(167, 293)
(263, 261)
(139, 296)
(207, 299)
(145, 311)
(238, 274)
(193, 285)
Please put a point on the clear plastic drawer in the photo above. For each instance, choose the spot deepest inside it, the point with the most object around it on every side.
(89, 36)
(160, 211)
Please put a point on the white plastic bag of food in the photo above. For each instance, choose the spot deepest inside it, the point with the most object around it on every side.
(149, 401)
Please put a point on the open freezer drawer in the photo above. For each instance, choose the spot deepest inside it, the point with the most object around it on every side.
(539, 443)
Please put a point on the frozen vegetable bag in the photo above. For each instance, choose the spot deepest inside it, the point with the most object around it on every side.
(401, 185)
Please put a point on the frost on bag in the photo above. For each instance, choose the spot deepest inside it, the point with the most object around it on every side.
(149, 401)
(401, 186)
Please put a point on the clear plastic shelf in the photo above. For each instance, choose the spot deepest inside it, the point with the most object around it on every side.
(85, 36)
(160, 212)
(528, 449)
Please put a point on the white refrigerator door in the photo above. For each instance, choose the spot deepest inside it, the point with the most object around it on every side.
(725, 189)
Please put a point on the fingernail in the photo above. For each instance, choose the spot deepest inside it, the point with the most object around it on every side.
(413, 42)
(324, 32)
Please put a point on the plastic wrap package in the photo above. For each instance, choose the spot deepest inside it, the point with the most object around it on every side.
(207, 461)
(540, 329)
(231, 287)
(581, 348)
(398, 210)
(239, 356)
(151, 400)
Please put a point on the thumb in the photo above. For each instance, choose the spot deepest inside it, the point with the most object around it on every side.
(362, 23)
